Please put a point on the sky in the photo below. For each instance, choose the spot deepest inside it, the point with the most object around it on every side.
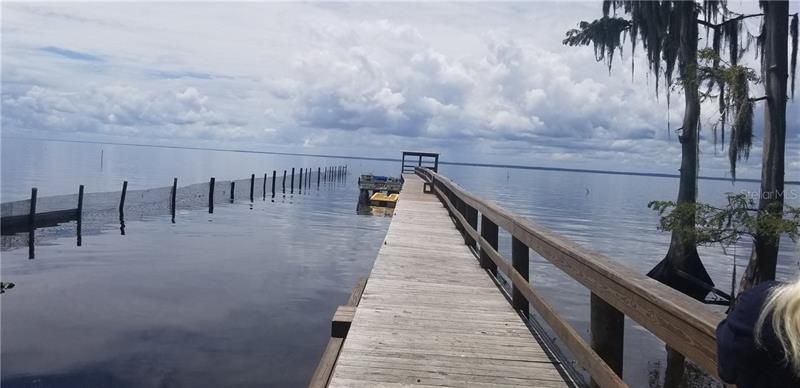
(476, 82)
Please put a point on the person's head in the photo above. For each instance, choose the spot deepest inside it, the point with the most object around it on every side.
(783, 306)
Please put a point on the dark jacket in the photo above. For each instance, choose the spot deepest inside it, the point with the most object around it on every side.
(740, 360)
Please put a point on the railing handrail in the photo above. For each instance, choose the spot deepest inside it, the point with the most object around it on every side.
(683, 323)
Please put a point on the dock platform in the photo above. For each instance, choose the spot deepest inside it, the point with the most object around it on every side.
(430, 316)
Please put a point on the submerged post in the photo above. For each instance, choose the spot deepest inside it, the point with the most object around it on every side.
(273, 183)
(521, 263)
(264, 189)
(291, 185)
(608, 332)
(172, 199)
(252, 183)
(80, 215)
(489, 233)
(319, 174)
(122, 197)
(211, 195)
(32, 223)
(284, 181)
(300, 182)
(233, 188)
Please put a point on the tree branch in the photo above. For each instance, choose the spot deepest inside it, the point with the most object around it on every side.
(719, 25)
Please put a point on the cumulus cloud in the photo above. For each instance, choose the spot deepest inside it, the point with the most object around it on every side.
(475, 78)
(114, 108)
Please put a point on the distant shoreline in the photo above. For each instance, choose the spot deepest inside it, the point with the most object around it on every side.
(469, 164)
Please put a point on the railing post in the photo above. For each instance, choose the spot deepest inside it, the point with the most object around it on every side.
(608, 332)
(521, 263)
(489, 233)
(471, 215)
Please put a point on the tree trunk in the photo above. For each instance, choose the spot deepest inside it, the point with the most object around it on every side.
(764, 256)
(682, 258)
(682, 254)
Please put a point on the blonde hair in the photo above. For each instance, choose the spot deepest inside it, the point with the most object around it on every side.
(784, 305)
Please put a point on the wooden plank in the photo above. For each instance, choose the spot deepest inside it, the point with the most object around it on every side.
(323, 372)
(342, 319)
(327, 362)
(21, 223)
(429, 314)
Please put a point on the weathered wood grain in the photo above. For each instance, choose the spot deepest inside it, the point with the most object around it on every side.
(430, 316)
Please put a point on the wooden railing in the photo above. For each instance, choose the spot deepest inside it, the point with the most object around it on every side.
(683, 323)
(412, 160)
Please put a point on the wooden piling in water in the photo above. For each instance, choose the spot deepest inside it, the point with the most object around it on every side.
(172, 199)
(211, 195)
(300, 182)
(32, 223)
(291, 186)
(233, 188)
(264, 189)
(122, 197)
(273, 183)
(319, 174)
(80, 215)
(284, 181)
(252, 183)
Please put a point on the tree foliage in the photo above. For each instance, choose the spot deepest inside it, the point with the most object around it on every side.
(735, 106)
(726, 225)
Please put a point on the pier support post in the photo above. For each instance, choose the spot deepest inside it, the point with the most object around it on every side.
(211, 195)
(521, 263)
(291, 185)
(284, 182)
(233, 189)
(264, 188)
(489, 233)
(319, 174)
(300, 182)
(608, 332)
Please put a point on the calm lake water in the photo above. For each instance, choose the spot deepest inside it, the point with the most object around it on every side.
(243, 297)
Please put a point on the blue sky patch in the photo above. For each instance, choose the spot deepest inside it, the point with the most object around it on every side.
(71, 54)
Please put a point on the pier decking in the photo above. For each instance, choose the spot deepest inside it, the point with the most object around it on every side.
(431, 316)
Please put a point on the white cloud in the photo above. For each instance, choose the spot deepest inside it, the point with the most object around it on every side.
(469, 77)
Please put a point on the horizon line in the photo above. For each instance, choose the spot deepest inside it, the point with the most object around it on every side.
(453, 163)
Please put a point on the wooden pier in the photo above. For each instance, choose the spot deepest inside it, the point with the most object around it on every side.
(432, 313)
(429, 315)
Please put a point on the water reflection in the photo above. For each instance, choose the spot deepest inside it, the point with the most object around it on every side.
(241, 301)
